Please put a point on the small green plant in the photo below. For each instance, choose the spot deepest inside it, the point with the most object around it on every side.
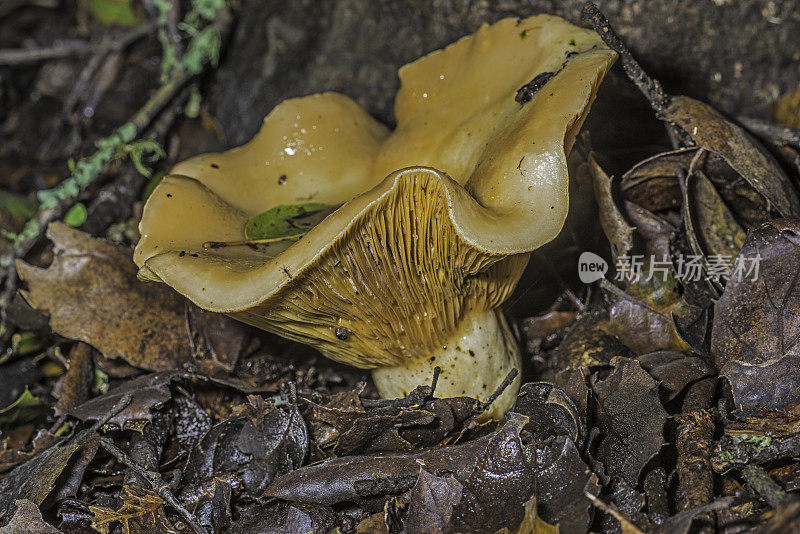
(202, 48)
(76, 215)
(204, 44)
(136, 152)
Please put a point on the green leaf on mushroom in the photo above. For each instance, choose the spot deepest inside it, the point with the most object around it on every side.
(282, 222)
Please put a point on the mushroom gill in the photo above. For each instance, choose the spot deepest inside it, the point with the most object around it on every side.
(438, 216)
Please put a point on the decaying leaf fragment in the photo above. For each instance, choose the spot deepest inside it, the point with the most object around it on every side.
(711, 228)
(431, 503)
(497, 474)
(589, 344)
(289, 518)
(757, 327)
(341, 425)
(551, 412)
(91, 294)
(631, 417)
(501, 482)
(148, 392)
(643, 316)
(36, 479)
(73, 388)
(618, 231)
(675, 370)
(564, 486)
(653, 182)
(141, 512)
(710, 130)
(28, 520)
(249, 450)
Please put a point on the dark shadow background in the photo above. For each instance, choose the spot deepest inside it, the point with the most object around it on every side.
(739, 55)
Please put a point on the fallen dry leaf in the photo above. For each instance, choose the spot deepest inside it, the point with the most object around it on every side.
(342, 426)
(498, 474)
(589, 344)
(616, 228)
(643, 316)
(631, 417)
(757, 327)
(73, 388)
(711, 228)
(148, 392)
(431, 503)
(710, 130)
(36, 479)
(551, 412)
(252, 448)
(91, 294)
(502, 480)
(675, 370)
(628, 501)
(28, 520)
(288, 518)
(564, 484)
(653, 183)
(626, 526)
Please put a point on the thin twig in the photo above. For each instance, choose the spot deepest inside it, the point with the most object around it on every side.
(121, 404)
(83, 82)
(20, 56)
(23, 56)
(512, 374)
(482, 407)
(156, 482)
(625, 523)
(758, 479)
(436, 372)
(649, 87)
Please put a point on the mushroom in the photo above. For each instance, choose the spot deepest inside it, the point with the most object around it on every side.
(437, 218)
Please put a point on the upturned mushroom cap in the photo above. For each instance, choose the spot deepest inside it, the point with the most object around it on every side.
(471, 180)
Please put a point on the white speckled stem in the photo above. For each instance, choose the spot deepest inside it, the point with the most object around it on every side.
(474, 362)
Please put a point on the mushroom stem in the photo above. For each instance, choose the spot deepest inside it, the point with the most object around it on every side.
(474, 361)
